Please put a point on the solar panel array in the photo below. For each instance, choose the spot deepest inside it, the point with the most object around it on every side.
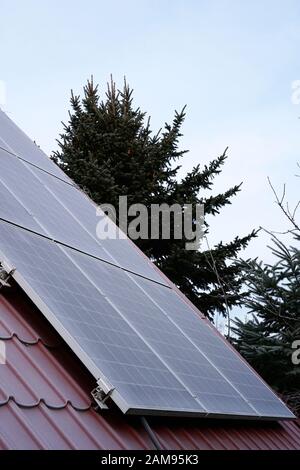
(41, 202)
(117, 312)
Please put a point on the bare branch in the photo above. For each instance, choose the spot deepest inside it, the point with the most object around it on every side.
(280, 202)
(213, 267)
(295, 210)
(273, 232)
(283, 194)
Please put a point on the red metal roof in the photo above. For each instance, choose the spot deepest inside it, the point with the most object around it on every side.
(45, 400)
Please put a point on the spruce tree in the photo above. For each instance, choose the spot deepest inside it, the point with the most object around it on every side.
(273, 299)
(270, 340)
(108, 148)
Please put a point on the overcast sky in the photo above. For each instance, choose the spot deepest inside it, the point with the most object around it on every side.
(232, 62)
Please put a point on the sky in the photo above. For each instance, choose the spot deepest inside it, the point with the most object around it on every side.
(233, 63)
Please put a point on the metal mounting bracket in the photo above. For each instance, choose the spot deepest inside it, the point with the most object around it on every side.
(4, 276)
(102, 392)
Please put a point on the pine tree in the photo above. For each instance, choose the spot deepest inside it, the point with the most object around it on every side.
(109, 150)
(273, 297)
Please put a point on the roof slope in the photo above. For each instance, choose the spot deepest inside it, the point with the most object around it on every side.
(45, 400)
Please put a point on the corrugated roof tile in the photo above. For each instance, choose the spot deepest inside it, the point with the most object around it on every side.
(32, 373)
(19, 317)
(66, 428)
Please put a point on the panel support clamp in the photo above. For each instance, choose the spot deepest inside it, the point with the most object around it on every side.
(102, 392)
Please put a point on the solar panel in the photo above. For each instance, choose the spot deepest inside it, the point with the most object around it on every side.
(188, 362)
(52, 218)
(50, 201)
(134, 341)
(216, 350)
(121, 250)
(13, 139)
(102, 338)
(13, 210)
(126, 323)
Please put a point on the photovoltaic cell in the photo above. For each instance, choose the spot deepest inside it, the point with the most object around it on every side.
(14, 140)
(11, 209)
(4, 146)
